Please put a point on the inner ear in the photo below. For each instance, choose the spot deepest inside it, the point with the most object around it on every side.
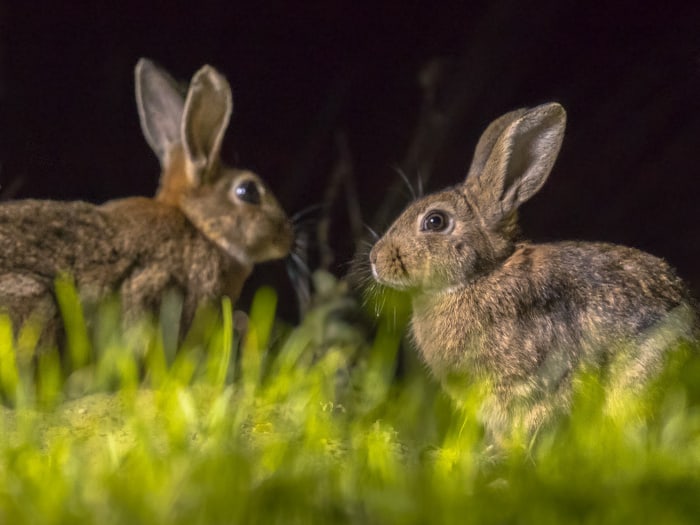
(160, 104)
(519, 162)
(206, 116)
(488, 140)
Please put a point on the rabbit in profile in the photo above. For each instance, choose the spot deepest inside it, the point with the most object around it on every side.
(525, 316)
(201, 235)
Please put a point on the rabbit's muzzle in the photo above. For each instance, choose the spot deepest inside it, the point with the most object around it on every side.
(284, 240)
(272, 239)
(388, 265)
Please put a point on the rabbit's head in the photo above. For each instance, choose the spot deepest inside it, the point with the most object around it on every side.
(233, 208)
(447, 239)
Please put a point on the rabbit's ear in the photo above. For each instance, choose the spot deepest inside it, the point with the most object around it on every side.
(514, 158)
(207, 111)
(489, 138)
(160, 104)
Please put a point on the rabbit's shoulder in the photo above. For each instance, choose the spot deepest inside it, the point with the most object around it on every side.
(156, 231)
(159, 233)
(146, 218)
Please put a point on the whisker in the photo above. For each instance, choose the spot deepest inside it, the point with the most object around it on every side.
(420, 185)
(346, 264)
(371, 231)
(301, 263)
(301, 285)
(303, 237)
(301, 246)
(304, 232)
(403, 176)
(304, 224)
(306, 211)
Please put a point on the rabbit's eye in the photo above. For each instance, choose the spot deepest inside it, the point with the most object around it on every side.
(248, 192)
(435, 221)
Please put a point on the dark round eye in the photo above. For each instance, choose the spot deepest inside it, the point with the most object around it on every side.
(435, 221)
(248, 192)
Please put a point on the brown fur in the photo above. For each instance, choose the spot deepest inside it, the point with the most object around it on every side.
(197, 236)
(525, 316)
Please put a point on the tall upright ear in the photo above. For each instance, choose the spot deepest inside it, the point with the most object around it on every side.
(514, 158)
(489, 137)
(160, 104)
(207, 112)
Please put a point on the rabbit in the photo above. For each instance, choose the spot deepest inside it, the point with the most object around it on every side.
(524, 317)
(201, 234)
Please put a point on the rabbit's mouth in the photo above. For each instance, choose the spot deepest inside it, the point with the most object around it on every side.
(375, 274)
(276, 246)
(391, 279)
(389, 269)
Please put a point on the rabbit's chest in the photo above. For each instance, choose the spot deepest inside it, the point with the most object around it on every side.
(449, 338)
(464, 335)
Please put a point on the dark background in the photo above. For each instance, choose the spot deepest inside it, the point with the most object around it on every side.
(627, 73)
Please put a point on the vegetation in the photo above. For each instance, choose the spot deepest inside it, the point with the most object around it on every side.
(310, 424)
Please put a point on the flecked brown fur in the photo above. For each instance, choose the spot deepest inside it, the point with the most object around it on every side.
(525, 316)
(201, 235)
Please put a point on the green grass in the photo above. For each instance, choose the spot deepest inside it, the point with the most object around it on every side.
(310, 425)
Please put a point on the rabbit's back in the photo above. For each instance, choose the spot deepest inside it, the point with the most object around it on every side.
(136, 247)
(41, 240)
(548, 307)
(96, 245)
(44, 238)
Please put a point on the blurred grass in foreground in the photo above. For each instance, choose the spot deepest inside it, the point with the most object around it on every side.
(298, 429)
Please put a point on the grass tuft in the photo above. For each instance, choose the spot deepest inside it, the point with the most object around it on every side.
(309, 425)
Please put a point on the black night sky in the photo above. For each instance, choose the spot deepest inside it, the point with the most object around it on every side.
(627, 73)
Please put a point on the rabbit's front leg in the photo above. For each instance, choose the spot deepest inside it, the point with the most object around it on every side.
(142, 290)
(25, 297)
